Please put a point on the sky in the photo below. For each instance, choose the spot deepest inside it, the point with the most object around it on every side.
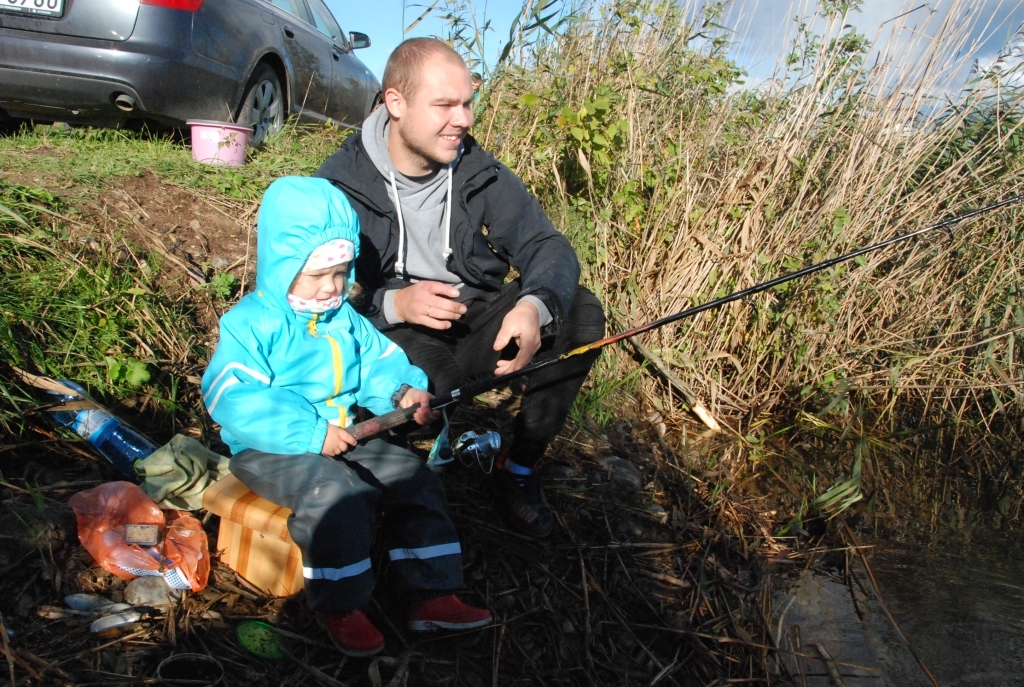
(381, 20)
(970, 29)
(764, 28)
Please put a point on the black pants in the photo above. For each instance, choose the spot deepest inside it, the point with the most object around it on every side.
(454, 356)
(334, 504)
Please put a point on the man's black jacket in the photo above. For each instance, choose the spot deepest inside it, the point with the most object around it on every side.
(496, 223)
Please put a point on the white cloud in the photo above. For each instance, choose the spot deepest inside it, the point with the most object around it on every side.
(961, 31)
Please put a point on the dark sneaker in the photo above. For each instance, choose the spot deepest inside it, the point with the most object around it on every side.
(446, 613)
(528, 510)
(352, 632)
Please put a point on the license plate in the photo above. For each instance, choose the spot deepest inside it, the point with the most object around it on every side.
(48, 8)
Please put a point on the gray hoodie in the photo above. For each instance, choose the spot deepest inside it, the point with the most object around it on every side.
(423, 218)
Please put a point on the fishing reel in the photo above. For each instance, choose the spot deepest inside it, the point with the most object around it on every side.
(481, 448)
(469, 448)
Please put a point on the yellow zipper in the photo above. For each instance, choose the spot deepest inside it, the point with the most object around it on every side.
(338, 369)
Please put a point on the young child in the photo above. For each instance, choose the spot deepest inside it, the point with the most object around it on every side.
(293, 358)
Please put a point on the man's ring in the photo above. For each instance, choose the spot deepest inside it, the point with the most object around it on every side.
(428, 311)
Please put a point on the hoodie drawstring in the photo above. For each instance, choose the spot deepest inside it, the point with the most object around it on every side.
(400, 260)
(447, 252)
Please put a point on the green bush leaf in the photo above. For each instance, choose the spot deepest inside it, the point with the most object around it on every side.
(136, 373)
(132, 372)
(222, 285)
(115, 370)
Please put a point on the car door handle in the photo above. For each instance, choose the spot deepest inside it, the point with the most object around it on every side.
(288, 31)
(335, 55)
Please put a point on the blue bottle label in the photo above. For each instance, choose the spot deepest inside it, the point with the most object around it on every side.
(89, 423)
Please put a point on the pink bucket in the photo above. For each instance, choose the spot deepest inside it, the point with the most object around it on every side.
(219, 143)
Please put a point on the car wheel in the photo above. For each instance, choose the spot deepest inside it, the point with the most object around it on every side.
(11, 125)
(263, 105)
(377, 101)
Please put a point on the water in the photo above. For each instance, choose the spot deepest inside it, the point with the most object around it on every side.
(963, 612)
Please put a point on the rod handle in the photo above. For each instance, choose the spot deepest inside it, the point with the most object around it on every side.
(381, 423)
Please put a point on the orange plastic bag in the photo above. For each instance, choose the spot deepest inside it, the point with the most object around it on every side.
(102, 514)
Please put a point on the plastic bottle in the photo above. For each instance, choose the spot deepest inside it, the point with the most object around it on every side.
(115, 441)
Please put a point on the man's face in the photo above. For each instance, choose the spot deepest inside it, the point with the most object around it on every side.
(431, 125)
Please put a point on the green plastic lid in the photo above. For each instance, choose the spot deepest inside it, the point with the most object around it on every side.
(261, 640)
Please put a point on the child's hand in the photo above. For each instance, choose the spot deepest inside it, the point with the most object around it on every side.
(337, 441)
(423, 414)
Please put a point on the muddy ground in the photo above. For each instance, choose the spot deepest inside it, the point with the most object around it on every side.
(657, 572)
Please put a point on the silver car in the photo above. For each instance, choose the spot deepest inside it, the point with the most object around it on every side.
(105, 62)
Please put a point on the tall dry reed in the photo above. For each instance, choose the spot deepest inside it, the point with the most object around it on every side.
(679, 184)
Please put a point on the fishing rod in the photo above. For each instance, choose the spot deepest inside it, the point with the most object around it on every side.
(373, 426)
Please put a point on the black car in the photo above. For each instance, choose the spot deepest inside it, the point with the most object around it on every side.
(105, 62)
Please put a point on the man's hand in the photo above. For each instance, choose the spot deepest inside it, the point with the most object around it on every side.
(337, 441)
(423, 414)
(429, 303)
(522, 323)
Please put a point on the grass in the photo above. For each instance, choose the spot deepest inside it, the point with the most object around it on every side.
(678, 184)
(87, 311)
(95, 157)
(598, 402)
(680, 191)
(79, 299)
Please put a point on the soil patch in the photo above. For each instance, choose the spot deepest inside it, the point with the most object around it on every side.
(183, 222)
(206, 233)
(191, 236)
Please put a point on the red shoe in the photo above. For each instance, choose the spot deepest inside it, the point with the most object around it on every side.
(446, 613)
(352, 632)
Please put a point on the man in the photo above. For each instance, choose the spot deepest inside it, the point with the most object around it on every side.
(442, 222)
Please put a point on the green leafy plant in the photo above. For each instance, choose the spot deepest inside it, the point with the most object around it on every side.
(132, 372)
(223, 285)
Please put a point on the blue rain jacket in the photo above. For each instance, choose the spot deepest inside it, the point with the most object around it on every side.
(278, 377)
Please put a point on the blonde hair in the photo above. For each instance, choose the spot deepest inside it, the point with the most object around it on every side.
(402, 71)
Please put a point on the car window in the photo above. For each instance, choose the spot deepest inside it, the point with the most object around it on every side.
(324, 21)
(294, 8)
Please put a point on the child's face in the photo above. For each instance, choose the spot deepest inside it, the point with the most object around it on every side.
(321, 284)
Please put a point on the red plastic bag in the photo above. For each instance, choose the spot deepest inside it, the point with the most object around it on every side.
(182, 558)
(185, 543)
